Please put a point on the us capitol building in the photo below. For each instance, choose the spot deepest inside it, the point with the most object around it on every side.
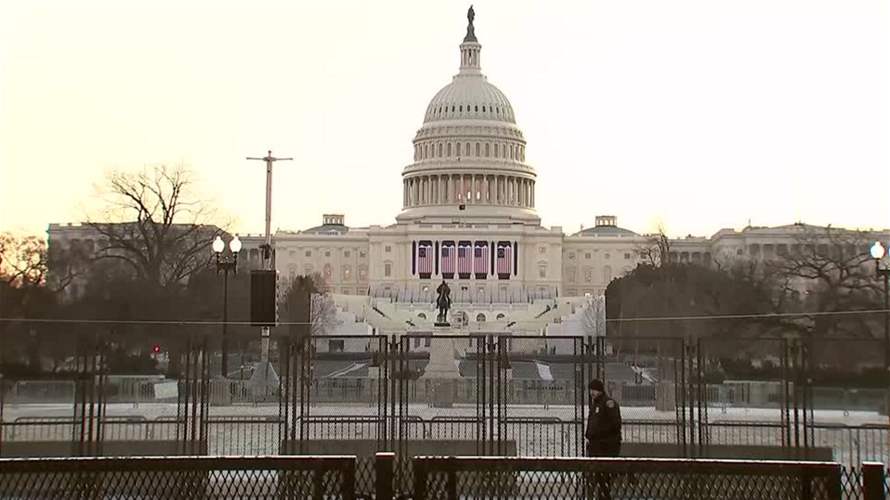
(469, 217)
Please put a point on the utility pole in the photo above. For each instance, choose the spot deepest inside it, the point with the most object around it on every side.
(266, 331)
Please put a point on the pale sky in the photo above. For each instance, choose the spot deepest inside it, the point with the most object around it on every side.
(695, 114)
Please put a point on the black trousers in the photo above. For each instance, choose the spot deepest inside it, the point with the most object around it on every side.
(600, 485)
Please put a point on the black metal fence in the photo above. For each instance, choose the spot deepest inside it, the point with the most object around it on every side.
(336, 477)
(558, 478)
(179, 477)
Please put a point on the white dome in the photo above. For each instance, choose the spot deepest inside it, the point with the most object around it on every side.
(469, 97)
(469, 155)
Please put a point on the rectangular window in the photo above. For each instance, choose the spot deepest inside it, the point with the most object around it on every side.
(387, 269)
(387, 249)
(427, 341)
(627, 256)
(346, 253)
(308, 253)
(587, 255)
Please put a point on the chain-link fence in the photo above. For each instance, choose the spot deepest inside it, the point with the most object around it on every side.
(466, 477)
(179, 477)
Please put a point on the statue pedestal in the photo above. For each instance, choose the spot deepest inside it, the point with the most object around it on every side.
(443, 360)
(442, 371)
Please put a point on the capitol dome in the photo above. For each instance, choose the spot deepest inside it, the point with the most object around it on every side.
(469, 155)
(470, 97)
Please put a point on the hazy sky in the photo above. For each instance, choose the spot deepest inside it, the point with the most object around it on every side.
(696, 114)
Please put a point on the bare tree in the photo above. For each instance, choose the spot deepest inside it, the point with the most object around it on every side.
(23, 260)
(828, 270)
(324, 314)
(309, 306)
(154, 226)
(657, 248)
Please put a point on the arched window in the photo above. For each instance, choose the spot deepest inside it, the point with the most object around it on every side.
(448, 150)
(467, 149)
(500, 316)
(487, 149)
(459, 149)
(328, 272)
(480, 318)
(439, 150)
(477, 149)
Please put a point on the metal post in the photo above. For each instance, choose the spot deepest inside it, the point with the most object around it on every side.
(225, 340)
(872, 481)
(265, 332)
(383, 466)
(886, 274)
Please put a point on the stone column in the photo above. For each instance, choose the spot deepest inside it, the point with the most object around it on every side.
(473, 188)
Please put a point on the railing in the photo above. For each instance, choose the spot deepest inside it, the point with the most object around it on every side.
(179, 477)
(386, 477)
(256, 435)
(525, 477)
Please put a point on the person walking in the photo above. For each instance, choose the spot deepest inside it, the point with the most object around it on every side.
(603, 433)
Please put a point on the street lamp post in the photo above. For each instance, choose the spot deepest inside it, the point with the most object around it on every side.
(877, 252)
(226, 265)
